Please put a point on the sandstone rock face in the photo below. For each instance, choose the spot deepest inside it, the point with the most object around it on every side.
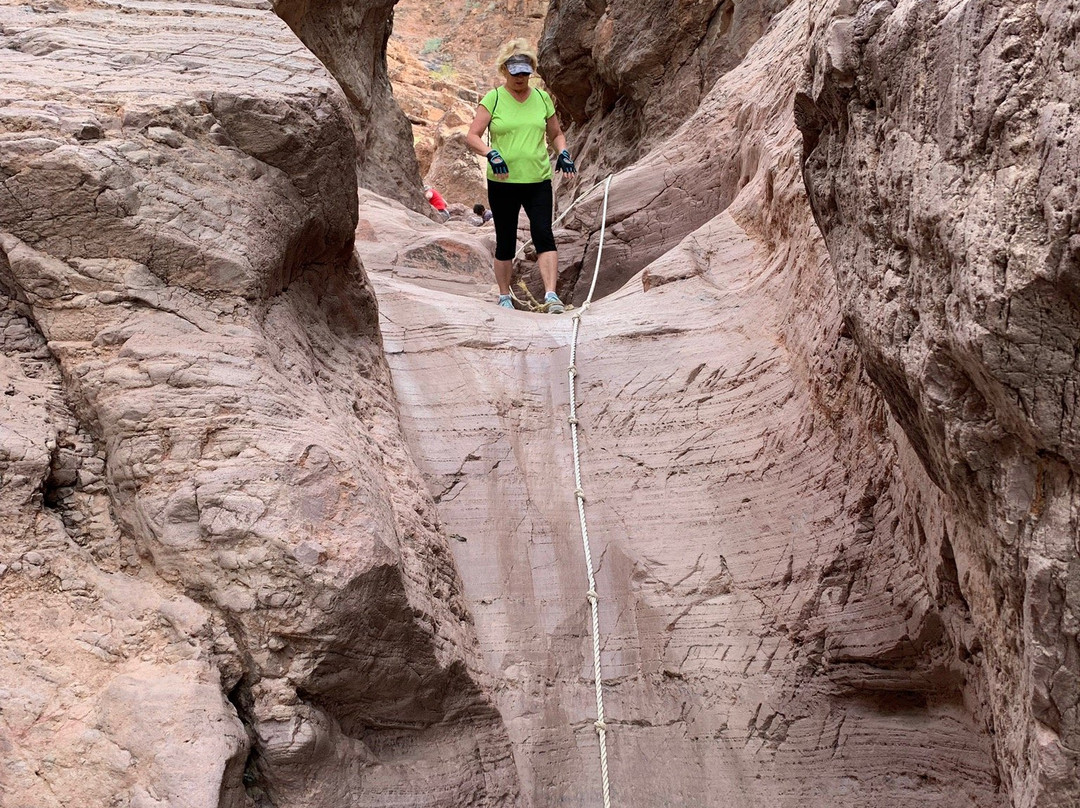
(242, 565)
(683, 180)
(452, 256)
(778, 629)
(694, 175)
(942, 166)
(223, 583)
(627, 72)
(350, 39)
(111, 681)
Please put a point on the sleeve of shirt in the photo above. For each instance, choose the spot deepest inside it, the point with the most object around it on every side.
(549, 108)
(488, 101)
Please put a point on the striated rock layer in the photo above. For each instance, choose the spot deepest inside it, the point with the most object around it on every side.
(774, 629)
(832, 523)
(222, 581)
(942, 166)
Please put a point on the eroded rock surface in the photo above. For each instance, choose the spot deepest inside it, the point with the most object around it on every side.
(942, 165)
(769, 634)
(350, 39)
(223, 582)
(626, 73)
(696, 173)
(832, 526)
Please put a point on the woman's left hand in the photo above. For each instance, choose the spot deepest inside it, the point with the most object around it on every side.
(564, 163)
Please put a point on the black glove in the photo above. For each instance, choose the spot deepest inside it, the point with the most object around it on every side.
(564, 163)
(498, 165)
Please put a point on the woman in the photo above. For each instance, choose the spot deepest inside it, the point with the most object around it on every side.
(520, 118)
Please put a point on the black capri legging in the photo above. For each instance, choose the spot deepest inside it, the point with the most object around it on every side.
(505, 200)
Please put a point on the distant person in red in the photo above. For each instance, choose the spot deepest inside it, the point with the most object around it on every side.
(437, 202)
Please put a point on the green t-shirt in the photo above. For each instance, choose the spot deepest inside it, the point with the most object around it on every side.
(519, 133)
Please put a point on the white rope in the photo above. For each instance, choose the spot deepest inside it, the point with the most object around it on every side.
(579, 493)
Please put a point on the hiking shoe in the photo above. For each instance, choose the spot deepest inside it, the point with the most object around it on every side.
(554, 305)
(506, 302)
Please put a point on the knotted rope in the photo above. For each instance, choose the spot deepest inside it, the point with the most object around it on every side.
(579, 494)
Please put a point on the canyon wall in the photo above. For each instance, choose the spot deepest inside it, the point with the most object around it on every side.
(777, 627)
(292, 524)
(350, 40)
(223, 583)
(627, 72)
(941, 160)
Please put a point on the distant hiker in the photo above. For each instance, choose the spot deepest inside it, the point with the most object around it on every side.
(437, 202)
(482, 212)
(519, 118)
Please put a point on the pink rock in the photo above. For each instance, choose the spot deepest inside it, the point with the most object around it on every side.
(943, 187)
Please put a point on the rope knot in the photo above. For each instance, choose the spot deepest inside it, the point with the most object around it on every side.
(592, 596)
(579, 494)
(572, 370)
(572, 420)
(600, 726)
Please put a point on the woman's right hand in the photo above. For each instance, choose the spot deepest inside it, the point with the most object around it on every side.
(498, 164)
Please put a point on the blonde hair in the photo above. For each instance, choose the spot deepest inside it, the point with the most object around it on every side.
(515, 47)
